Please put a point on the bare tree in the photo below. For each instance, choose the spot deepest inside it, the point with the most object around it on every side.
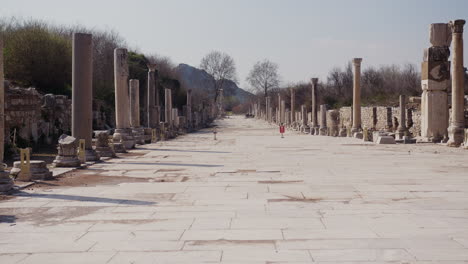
(264, 76)
(221, 66)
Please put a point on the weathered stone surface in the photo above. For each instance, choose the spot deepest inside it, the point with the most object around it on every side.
(67, 152)
(102, 144)
(440, 34)
(386, 140)
(38, 169)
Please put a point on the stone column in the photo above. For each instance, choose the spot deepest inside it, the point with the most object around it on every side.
(314, 121)
(152, 113)
(457, 125)
(168, 108)
(323, 120)
(282, 112)
(435, 81)
(266, 108)
(402, 130)
(137, 131)
(6, 183)
(357, 96)
(82, 92)
(189, 109)
(304, 116)
(123, 133)
(293, 106)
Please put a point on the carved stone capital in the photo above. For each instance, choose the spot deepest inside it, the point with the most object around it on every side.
(457, 25)
(357, 61)
(151, 67)
(314, 81)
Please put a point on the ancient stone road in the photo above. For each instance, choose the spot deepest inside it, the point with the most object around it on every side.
(251, 197)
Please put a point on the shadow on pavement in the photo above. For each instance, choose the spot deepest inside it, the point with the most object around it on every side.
(83, 198)
(174, 164)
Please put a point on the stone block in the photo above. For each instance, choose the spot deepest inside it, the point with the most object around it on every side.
(440, 34)
(435, 71)
(38, 169)
(386, 140)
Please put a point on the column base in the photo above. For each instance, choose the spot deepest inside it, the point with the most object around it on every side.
(38, 171)
(6, 182)
(105, 152)
(92, 155)
(119, 148)
(67, 161)
(323, 131)
(125, 137)
(343, 132)
(456, 136)
(139, 135)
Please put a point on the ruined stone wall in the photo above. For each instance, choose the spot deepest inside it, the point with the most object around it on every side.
(345, 116)
(384, 118)
(368, 117)
(37, 118)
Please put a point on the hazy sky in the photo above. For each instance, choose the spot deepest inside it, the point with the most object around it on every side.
(306, 38)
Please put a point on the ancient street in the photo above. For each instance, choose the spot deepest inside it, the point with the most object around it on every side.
(250, 197)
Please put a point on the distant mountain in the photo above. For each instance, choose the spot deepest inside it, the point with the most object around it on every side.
(197, 79)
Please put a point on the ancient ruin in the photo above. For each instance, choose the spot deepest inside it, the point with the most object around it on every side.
(137, 131)
(457, 123)
(6, 183)
(123, 132)
(435, 80)
(356, 128)
(82, 88)
(67, 152)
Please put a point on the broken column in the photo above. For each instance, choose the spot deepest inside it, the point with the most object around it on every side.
(137, 131)
(304, 117)
(152, 104)
(357, 97)
(123, 132)
(102, 144)
(314, 129)
(67, 152)
(6, 183)
(435, 81)
(402, 130)
(457, 124)
(168, 110)
(323, 120)
(82, 92)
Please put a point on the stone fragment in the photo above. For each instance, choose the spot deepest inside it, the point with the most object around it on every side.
(102, 144)
(38, 170)
(440, 34)
(67, 152)
(386, 140)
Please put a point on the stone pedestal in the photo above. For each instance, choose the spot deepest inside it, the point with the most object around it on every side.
(82, 92)
(67, 152)
(435, 80)
(6, 182)
(456, 130)
(38, 170)
(123, 133)
(357, 96)
(102, 144)
(125, 137)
